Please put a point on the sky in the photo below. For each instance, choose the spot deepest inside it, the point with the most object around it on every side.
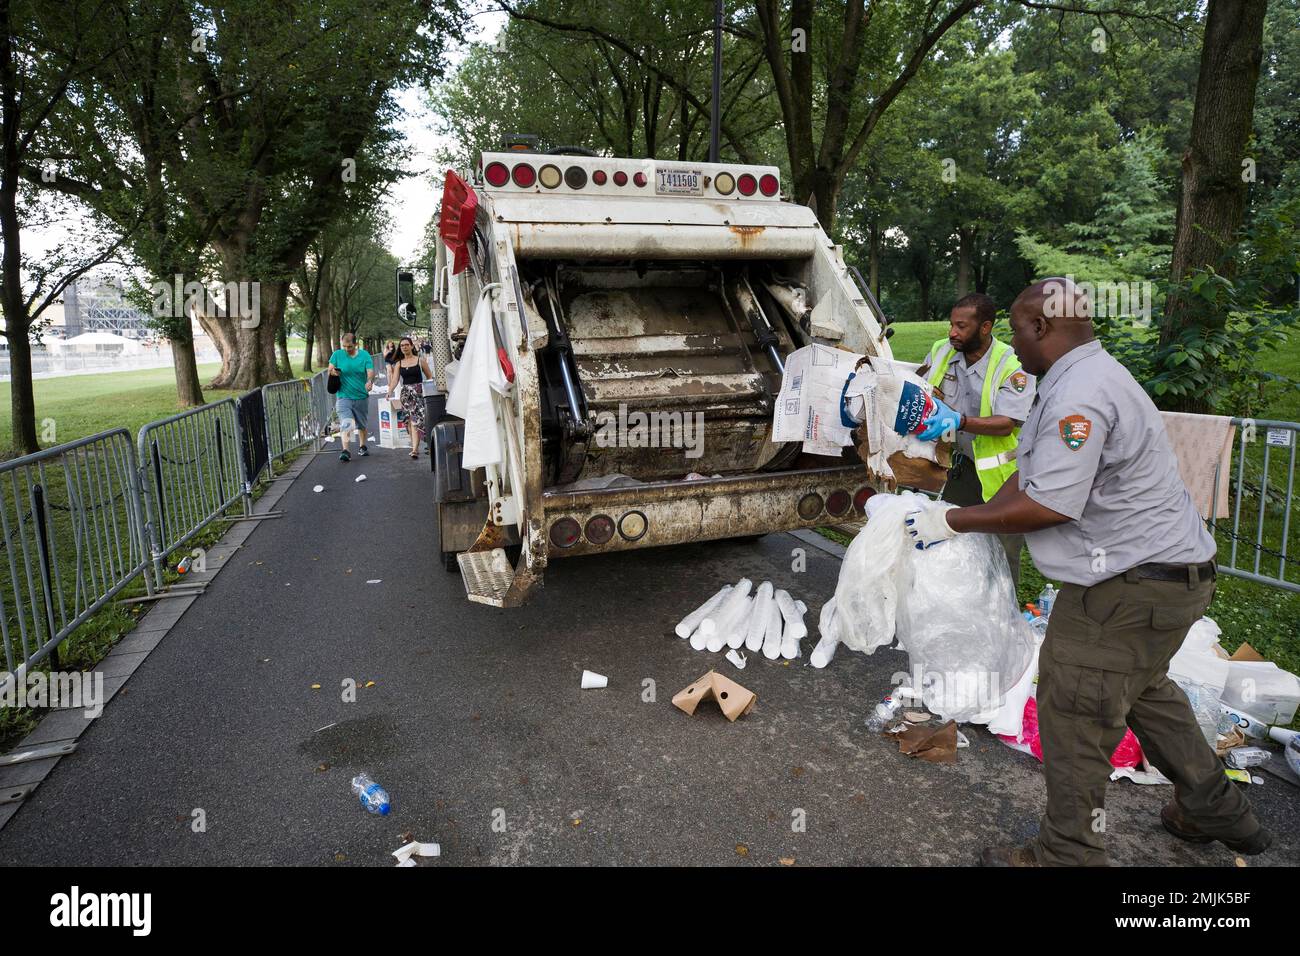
(412, 200)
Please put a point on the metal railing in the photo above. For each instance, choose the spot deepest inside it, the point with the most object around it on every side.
(292, 416)
(73, 538)
(1258, 530)
(191, 471)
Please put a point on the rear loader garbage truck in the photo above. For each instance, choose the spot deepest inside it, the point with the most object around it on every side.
(609, 336)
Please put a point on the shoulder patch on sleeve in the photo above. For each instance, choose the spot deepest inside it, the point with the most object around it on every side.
(1019, 381)
(1075, 430)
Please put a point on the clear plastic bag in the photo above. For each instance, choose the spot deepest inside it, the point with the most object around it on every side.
(952, 607)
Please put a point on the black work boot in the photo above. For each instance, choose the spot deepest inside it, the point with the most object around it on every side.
(1177, 823)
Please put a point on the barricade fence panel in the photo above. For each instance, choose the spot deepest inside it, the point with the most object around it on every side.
(72, 537)
(1256, 538)
(291, 416)
(191, 472)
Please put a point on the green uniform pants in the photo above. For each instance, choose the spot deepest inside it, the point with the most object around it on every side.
(1104, 664)
(963, 489)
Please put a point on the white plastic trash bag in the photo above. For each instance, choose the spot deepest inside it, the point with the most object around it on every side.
(952, 607)
(477, 377)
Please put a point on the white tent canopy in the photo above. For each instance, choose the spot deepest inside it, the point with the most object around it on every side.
(96, 342)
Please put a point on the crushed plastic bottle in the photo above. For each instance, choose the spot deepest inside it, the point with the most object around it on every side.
(372, 796)
(886, 711)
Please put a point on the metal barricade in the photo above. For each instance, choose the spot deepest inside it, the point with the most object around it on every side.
(72, 533)
(291, 416)
(191, 472)
(252, 435)
(1257, 534)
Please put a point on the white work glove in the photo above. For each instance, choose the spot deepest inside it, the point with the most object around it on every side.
(929, 527)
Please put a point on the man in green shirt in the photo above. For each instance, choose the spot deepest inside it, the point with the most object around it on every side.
(356, 371)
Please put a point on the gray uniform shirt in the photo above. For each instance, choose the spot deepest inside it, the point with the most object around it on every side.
(1094, 448)
(963, 385)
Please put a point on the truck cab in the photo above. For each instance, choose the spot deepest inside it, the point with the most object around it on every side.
(641, 311)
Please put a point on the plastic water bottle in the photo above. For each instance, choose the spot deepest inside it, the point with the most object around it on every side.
(885, 711)
(372, 796)
(1046, 598)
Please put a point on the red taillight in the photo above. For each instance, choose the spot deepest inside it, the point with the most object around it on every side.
(496, 174)
(565, 533)
(639, 179)
(620, 178)
(860, 499)
(523, 175)
(746, 184)
(769, 185)
(838, 503)
(600, 529)
(598, 177)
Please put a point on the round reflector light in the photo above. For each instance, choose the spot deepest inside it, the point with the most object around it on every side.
(600, 528)
(769, 185)
(747, 184)
(860, 499)
(639, 179)
(565, 533)
(838, 503)
(724, 183)
(632, 526)
(576, 177)
(810, 506)
(496, 174)
(620, 178)
(549, 176)
(523, 175)
(599, 177)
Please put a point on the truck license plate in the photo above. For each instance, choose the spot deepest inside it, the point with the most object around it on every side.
(678, 182)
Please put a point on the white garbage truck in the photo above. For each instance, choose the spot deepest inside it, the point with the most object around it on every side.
(639, 314)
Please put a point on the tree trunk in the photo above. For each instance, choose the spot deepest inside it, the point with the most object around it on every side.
(282, 343)
(188, 389)
(249, 354)
(1213, 200)
(312, 320)
(22, 402)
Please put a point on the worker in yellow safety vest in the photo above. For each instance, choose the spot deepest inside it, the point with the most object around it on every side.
(988, 396)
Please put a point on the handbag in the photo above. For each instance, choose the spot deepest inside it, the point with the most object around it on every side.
(333, 383)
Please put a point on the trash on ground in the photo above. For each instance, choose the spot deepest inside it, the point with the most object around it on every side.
(756, 626)
(794, 633)
(691, 622)
(374, 581)
(733, 699)
(1127, 754)
(415, 848)
(1147, 777)
(917, 716)
(359, 478)
(886, 710)
(593, 681)
(372, 796)
(773, 633)
(318, 489)
(736, 658)
(930, 744)
(1241, 758)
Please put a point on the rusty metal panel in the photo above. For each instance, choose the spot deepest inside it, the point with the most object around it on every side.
(612, 240)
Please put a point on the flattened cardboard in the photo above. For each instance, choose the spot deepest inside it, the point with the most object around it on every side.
(1246, 653)
(935, 745)
(733, 700)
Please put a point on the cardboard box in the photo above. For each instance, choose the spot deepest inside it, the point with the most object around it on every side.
(734, 700)
(392, 428)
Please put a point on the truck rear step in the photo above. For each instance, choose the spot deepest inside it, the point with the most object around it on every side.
(488, 575)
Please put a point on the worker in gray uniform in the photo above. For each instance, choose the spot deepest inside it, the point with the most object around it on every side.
(980, 380)
(1104, 509)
